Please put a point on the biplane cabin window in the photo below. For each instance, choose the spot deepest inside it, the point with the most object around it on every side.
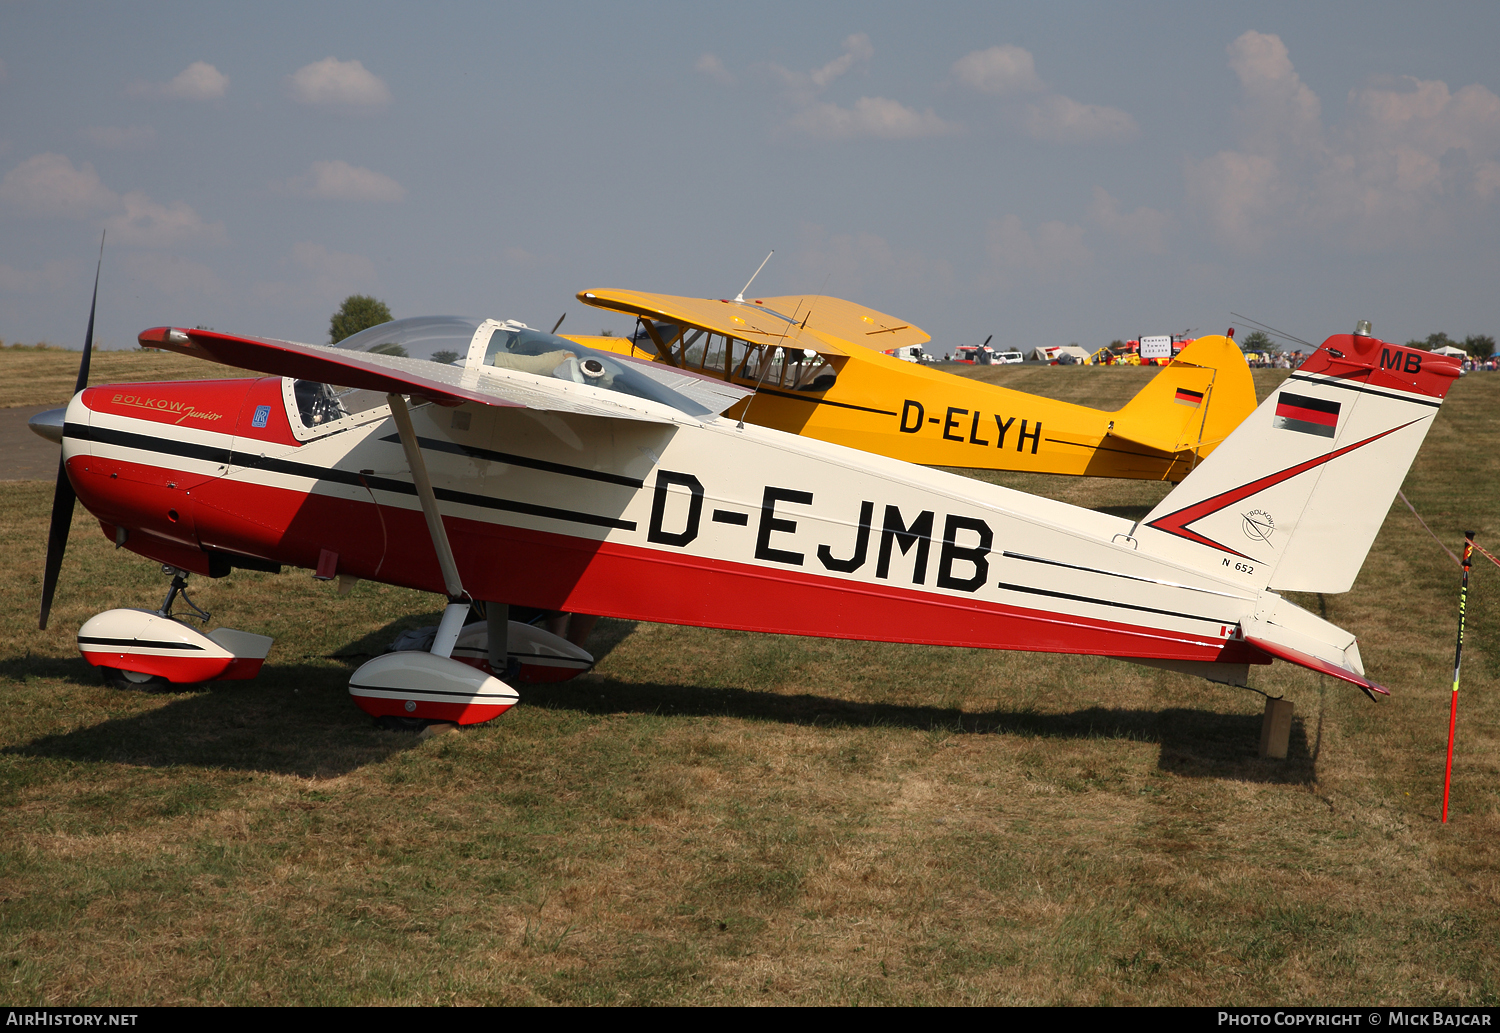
(700, 350)
(790, 369)
(815, 374)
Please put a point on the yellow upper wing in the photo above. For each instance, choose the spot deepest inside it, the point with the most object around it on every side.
(818, 323)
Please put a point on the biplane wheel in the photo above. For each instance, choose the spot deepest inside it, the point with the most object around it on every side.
(135, 681)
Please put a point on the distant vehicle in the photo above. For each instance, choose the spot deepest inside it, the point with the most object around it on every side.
(908, 353)
(1008, 358)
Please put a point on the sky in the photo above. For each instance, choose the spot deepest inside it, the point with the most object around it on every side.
(1044, 173)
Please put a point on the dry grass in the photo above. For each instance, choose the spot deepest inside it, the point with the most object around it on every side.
(718, 817)
(45, 376)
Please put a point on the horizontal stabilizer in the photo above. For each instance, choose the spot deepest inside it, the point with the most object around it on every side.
(1309, 652)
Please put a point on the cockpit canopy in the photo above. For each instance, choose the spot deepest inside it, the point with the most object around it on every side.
(514, 346)
(438, 338)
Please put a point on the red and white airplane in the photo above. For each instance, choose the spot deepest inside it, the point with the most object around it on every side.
(487, 461)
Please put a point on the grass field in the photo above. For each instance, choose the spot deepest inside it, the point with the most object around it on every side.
(717, 817)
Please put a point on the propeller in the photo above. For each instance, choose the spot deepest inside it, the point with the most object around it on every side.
(559, 322)
(64, 496)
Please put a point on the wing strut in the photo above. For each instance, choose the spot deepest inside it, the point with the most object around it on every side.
(456, 610)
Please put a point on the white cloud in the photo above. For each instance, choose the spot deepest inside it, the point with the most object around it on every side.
(332, 83)
(146, 223)
(999, 70)
(1053, 251)
(1278, 106)
(1060, 119)
(340, 181)
(1238, 193)
(1413, 158)
(1009, 71)
(802, 87)
(711, 66)
(870, 117)
(856, 48)
(198, 81)
(1143, 230)
(320, 277)
(48, 184)
(117, 138)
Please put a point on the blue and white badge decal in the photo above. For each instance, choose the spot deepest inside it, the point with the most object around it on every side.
(262, 414)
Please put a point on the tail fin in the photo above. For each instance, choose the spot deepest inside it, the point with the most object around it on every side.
(1293, 499)
(1194, 403)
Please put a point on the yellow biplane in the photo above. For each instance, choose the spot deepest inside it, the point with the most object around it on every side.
(818, 368)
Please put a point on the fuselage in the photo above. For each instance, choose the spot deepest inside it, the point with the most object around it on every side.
(688, 521)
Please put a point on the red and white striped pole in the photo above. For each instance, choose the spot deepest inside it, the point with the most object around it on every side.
(1458, 656)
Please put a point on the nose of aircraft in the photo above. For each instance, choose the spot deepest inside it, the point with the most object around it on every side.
(48, 424)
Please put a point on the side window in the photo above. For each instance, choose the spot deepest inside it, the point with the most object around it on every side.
(317, 408)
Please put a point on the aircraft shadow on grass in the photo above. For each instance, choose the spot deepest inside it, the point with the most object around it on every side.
(296, 719)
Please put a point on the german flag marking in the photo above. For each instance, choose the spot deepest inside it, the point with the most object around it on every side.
(1306, 415)
(1186, 397)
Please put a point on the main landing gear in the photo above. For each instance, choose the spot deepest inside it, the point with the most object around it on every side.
(156, 651)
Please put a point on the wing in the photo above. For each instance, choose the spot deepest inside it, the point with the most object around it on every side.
(829, 326)
(442, 383)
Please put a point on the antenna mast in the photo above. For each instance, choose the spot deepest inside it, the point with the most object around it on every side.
(741, 295)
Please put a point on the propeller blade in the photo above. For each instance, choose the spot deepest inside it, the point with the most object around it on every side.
(559, 322)
(63, 497)
(987, 340)
(57, 539)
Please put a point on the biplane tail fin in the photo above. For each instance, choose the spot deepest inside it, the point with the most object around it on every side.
(1194, 403)
(1293, 499)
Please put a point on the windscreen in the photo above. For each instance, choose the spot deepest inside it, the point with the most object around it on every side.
(545, 355)
(438, 338)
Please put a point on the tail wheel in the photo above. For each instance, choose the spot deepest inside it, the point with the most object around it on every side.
(135, 681)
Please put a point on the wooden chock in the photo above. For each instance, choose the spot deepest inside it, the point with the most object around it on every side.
(1276, 728)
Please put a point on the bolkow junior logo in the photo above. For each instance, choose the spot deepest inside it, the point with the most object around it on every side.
(1258, 525)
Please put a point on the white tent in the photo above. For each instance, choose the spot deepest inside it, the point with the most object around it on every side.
(1448, 349)
(1053, 354)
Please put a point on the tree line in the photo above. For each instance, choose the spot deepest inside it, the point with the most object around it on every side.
(1479, 346)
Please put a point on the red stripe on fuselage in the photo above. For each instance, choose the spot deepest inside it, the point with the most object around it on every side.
(558, 571)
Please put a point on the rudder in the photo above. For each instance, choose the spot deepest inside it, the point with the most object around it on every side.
(1293, 499)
